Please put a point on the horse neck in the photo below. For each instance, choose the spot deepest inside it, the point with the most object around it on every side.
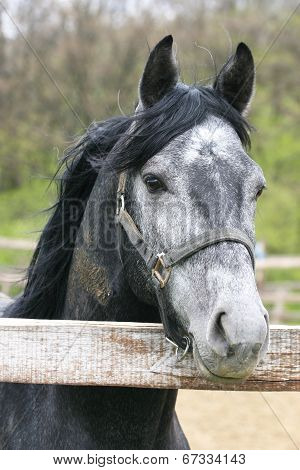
(98, 290)
(97, 286)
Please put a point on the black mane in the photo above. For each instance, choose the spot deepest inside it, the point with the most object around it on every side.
(114, 145)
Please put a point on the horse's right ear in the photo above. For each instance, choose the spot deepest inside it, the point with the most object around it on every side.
(160, 74)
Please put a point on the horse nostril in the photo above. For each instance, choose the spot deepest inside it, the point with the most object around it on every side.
(228, 337)
(266, 317)
(219, 325)
(216, 335)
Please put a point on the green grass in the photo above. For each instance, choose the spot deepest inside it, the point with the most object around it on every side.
(293, 306)
(292, 323)
(20, 209)
(15, 290)
(16, 258)
(292, 274)
(21, 217)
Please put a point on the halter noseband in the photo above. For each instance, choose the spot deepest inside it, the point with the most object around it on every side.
(160, 265)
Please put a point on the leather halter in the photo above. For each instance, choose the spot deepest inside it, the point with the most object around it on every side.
(160, 264)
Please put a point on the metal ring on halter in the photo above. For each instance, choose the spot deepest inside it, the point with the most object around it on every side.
(160, 272)
(188, 343)
(120, 203)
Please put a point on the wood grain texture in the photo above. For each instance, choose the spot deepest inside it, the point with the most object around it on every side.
(126, 354)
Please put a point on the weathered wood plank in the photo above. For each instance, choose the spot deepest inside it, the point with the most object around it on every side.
(278, 262)
(126, 354)
(17, 244)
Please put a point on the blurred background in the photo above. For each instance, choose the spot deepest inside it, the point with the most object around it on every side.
(64, 64)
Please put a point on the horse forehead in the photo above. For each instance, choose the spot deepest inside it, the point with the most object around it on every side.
(212, 157)
(212, 147)
(213, 138)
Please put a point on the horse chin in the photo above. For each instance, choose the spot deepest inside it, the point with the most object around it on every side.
(206, 373)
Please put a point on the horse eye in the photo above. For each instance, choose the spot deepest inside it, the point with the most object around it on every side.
(153, 183)
(259, 193)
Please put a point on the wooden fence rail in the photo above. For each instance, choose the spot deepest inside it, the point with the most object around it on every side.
(127, 354)
(17, 244)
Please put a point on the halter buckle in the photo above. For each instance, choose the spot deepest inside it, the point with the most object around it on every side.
(160, 272)
(120, 203)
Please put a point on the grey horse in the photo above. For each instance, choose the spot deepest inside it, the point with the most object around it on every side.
(187, 173)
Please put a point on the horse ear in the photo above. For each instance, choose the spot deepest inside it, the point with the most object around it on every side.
(160, 74)
(236, 80)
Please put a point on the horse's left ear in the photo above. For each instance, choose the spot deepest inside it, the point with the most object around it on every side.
(236, 80)
(160, 74)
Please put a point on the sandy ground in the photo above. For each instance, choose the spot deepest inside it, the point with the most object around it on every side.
(240, 420)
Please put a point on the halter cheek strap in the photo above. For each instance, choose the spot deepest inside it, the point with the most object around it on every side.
(160, 264)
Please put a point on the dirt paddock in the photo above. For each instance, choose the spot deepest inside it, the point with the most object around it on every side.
(239, 420)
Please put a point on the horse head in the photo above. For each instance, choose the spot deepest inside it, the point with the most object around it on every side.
(201, 182)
